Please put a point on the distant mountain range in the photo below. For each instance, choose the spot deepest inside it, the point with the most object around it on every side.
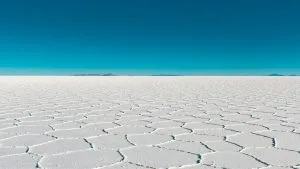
(111, 74)
(276, 74)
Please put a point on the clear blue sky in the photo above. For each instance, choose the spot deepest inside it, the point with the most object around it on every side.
(139, 36)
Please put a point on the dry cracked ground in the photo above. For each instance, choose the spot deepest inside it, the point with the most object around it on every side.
(149, 122)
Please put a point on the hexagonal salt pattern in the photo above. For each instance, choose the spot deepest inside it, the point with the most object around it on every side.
(149, 122)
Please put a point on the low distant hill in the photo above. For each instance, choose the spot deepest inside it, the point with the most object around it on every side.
(89, 74)
(166, 75)
(275, 74)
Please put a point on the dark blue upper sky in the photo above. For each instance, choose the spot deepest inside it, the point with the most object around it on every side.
(150, 35)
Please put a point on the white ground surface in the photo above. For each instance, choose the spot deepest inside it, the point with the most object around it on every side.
(149, 122)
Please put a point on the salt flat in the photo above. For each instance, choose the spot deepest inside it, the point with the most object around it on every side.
(149, 122)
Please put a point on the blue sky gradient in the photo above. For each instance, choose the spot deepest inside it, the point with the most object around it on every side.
(150, 36)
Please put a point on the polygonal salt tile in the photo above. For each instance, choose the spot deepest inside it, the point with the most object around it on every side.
(295, 119)
(275, 157)
(5, 125)
(6, 135)
(165, 124)
(59, 146)
(4, 151)
(246, 128)
(76, 133)
(239, 118)
(281, 128)
(211, 107)
(274, 167)
(100, 126)
(37, 113)
(110, 141)
(154, 119)
(294, 125)
(266, 122)
(19, 130)
(130, 130)
(103, 112)
(250, 140)
(26, 140)
(223, 122)
(97, 119)
(175, 116)
(191, 120)
(201, 126)
(20, 161)
(35, 118)
(8, 121)
(286, 140)
(172, 131)
(66, 126)
(265, 109)
(132, 117)
(81, 159)
(216, 132)
(232, 160)
(133, 122)
(40, 123)
(124, 165)
(152, 157)
(148, 139)
(266, 116)
(197, 166)
(222, 146)
(197, 137)
(68, 118)
(12, 115)
(191, 147)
